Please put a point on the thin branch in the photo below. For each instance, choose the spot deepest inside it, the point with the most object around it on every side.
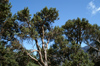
(92, 47)
(37, 44)
(39, 51)
(40, 55)
(98, 40)
(34, 59)
(34, 51)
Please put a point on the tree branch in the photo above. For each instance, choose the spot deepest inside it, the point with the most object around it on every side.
(34, 51)
(43, 38)
(39, 51)
(47, 43)
(45, 50)
(98, 40)
(34, 59)
(92, 47)
(37, 44)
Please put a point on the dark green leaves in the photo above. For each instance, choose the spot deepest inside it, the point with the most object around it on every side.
(24, 15)
(44, 18)
(4, 10)
(74, 29)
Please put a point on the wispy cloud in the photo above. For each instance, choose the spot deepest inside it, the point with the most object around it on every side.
(93, 8)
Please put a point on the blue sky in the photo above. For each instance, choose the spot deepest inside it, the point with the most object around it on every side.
(68, 9)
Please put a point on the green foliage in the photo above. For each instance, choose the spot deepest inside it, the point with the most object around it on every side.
(76, 32)
(11, 51)
(4, 10)
(24, 15)
(32, 64)
(92, 37)
(66, 39)
(78, 59)
(39, 27)
(26, 27)
(32, 28)
(12, 56)
(44, 18)
(74, 29)
(58, 51)
(7, 57)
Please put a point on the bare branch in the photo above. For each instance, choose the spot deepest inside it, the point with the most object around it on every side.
(40, 55)
(92, 47)
(98, 40)
(47, 43)
(37, 44)
(34, 51)
(32, 57)
(39, 51)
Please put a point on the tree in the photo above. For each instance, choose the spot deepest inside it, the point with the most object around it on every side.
(69, 55)
(74, 29)
(38, 28)
(7, 22)
(66, 39)
(93, 41)
(82, 31)
(10, 48)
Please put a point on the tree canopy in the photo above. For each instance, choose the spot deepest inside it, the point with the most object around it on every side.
(55, 46)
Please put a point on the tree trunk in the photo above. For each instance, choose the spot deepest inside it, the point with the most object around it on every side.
(44, 48)
(46, 63)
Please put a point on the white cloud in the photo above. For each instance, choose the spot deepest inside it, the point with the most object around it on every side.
(93, 8)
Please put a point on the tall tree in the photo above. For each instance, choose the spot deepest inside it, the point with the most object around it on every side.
(9, 44)
(6, 29)
(38, 28)
(74, 29)
(92, 39)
